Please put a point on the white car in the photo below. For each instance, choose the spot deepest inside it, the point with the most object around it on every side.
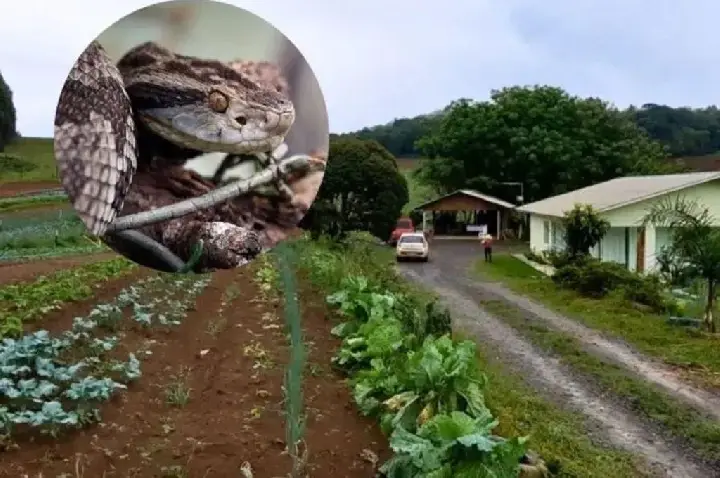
(412, 245)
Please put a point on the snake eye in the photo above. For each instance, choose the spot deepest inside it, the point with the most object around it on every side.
(242, 121)
(218, 101)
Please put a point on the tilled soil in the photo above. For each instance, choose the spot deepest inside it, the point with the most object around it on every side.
(232, 359)
(20, 271)
(10, 189)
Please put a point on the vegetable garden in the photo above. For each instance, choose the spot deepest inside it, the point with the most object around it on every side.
(312, 353)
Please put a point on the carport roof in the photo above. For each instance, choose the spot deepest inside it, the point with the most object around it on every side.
(467, 192)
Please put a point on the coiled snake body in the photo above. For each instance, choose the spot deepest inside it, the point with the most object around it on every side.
(123, 133)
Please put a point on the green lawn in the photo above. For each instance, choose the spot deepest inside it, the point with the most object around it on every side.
(694, 351)
(39, 152)
(419, 193)
(558, 435)
(645, 398)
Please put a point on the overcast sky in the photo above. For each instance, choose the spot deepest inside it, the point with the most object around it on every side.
(377, 60)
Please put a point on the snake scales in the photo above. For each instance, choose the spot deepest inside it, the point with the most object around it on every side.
(124, 131)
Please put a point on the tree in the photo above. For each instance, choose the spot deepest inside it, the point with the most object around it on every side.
(362, 190)
(542, 136)
(7, 115)
(400, 135)
(684, 132)
(584, 228)
(694, 242)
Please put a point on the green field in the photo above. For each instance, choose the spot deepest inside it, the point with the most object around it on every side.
(418, 192)
(38, 152)
(48, 233)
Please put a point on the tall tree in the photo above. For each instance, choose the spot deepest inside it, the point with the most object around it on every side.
(695, 243)
(7, 114)
(362, 190)
(541, 136)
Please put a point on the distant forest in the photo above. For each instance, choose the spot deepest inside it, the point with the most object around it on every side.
(685, 132)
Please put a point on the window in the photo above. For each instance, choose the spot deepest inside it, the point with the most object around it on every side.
(414, 239)
(546, 232)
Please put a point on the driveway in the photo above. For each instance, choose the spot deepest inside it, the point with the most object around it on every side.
(448, 274)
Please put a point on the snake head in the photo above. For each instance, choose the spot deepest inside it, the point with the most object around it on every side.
(207, 105)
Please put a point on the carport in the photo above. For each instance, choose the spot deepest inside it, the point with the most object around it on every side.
(465, 212)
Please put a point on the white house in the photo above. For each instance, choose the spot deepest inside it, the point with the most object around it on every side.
(623, 202)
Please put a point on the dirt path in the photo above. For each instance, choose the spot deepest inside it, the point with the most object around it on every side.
(19, 271)
(14, 188)
(614, 351)
(447, 275)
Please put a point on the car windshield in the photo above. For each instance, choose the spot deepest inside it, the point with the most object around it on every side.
(411, 240)
(403, 224)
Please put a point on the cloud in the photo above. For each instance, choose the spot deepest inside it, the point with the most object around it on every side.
(378, 60)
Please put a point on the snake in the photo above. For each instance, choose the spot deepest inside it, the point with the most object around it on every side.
(124, 131)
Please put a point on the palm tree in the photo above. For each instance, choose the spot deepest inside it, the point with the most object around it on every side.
(695, 243)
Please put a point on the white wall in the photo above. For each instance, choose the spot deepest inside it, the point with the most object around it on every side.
(545, 233)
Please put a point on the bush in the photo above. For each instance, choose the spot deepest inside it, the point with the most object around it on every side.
(559, 259)
(584, 228)
(596, 279)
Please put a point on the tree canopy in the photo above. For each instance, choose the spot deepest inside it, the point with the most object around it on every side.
(7, 115)
(542, 136)
(362, 190)
(684, 132)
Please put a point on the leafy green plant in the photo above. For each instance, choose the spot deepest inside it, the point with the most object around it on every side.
(379, 337)
(424, 387)
(584, 228)
(52, 383)
(454, 445)
(22, 302)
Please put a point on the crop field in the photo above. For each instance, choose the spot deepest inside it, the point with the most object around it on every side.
(292, 366)
(44, 232)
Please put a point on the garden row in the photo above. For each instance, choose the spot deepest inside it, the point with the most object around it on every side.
(406, 369)
(54, 382)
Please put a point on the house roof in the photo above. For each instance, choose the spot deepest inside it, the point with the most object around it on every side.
(472, 193)
(618, 192)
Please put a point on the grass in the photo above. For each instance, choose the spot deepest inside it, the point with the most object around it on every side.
(558, 436)
(693, 351)
(21, 203)
(681, 420)
(24, 302)
(419, 193)
(38, 152)
(44, 233)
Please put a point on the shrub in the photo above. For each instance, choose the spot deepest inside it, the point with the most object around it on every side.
(596, 279)
(559, 258)
(583, 229)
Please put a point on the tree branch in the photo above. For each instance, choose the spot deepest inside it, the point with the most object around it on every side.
(213, 198)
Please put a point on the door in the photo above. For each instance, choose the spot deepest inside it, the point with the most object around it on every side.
(640, 251)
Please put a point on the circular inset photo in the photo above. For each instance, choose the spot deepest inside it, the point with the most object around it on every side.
(191, 136)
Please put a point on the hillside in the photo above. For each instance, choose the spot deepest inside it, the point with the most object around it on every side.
(685, 132)
(28, 160)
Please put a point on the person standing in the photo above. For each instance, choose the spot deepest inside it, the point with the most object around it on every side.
(487, 241)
